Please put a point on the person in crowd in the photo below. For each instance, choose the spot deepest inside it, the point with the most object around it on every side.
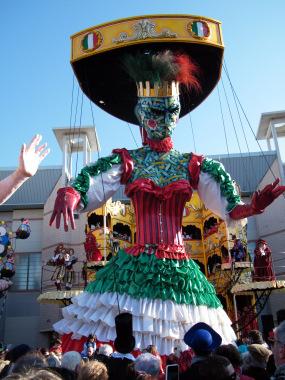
(90, 353)
(152, 349)
(93, 370)
(185, 360)
(55, 355)
(35, 373)
(255, 337)
(279, 351)
(12, 356)
(148, 364)
(29, 160)
(44, 351)
(124, 345)
(71, 360)
(255, 362)
(32, 359)
(214, 367)
(230, 352)
(242, 345)
(3, 351)
(65, 373)
(203, 340)
(90, 342)
(104, 353)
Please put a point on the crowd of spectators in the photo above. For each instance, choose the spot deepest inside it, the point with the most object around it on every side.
(206, 359)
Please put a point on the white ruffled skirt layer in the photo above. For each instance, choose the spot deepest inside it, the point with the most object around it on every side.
(162, 323)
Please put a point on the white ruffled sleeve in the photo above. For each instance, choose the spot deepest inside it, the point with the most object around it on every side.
(103, 186)
(217, 190)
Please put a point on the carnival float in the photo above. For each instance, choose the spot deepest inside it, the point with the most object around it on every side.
(185, 221)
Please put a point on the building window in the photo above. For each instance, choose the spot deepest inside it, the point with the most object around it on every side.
(28, 272)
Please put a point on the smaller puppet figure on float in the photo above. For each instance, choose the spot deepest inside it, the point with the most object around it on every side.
(69, 261)
(238, 252)
(92, 248)
(263, 270)
(24, 230)
(63, 259)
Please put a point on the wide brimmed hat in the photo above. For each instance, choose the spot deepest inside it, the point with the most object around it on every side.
(125, 341)
(202, 338)
(97, 55)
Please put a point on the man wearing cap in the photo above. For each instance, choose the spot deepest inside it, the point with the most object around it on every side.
(203, 340)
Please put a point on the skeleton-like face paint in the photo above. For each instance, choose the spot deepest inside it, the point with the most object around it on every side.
(158, 116)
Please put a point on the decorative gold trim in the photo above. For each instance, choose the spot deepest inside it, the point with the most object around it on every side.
(165, 89)
(143, 30)
(146, 29)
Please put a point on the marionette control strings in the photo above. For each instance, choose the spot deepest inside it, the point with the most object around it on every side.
(192, 131)
(135, 141)
(238, 102)
(105, 200)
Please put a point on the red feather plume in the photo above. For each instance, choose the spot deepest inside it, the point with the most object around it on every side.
(188, 72)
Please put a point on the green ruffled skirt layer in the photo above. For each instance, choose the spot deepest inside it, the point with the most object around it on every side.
(146, 276)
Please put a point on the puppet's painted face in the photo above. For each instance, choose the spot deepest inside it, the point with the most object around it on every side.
(158, 116)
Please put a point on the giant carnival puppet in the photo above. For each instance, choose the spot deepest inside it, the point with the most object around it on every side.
(156, 70)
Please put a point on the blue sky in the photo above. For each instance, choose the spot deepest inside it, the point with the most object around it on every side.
(36, 76)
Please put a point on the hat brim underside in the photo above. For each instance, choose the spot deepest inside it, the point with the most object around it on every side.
(105, 82)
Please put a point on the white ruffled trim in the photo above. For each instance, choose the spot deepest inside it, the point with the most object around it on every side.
(210, 193)
(162, 323)
(102, 187)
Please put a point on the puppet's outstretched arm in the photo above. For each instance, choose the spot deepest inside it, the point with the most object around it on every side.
(260, 200)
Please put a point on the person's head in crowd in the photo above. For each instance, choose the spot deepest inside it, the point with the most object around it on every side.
(66, 374)
(255, 337)
(33, 359)
(90, 353)
(257, 356)
(44, 351)
(178, 351)
(215, 367)
(279, 345)
(71, 360)
(230, 352)
(53, 360)
(93, 370)
(106, 350)
(56, 349)
(148, 364)
(16, 352)
(152, 349)
(34, 373)
(91, 338)
(202, 339)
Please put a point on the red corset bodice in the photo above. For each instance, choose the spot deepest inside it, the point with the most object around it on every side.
(159, 210)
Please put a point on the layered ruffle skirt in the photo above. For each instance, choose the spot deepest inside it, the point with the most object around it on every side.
(165, 296)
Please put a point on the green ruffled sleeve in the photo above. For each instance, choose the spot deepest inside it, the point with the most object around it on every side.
(82, 181)
(217, 171)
